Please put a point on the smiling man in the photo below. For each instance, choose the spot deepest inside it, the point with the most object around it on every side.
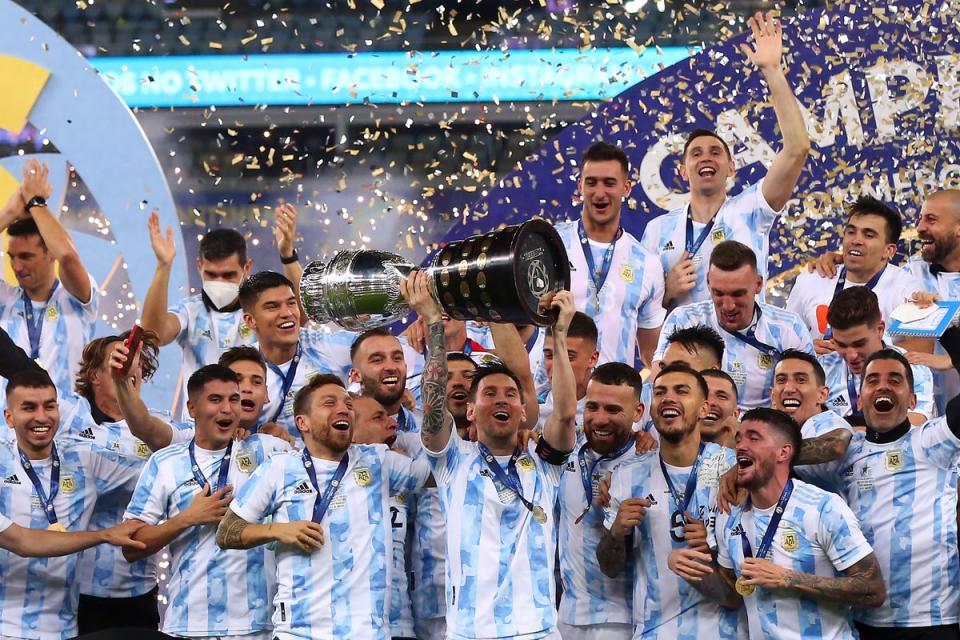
(720, 424)
(380, 367)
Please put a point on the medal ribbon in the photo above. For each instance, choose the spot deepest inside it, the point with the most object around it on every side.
(323, 501)
(750, 337)
(683, 501)
(46, 499)
(771, 528)
(35, 324)
(599, 276)
(287, 378)
(586, 475)
(500, 479)
(693, 246)
(221, 472)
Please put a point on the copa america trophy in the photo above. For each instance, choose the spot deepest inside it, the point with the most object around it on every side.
(498, 276)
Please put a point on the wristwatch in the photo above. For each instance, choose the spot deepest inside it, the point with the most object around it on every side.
(36, 201)
(290, 259)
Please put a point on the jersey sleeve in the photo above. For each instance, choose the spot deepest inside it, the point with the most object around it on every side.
(149, 501)
(619, 491)
(938, 444)
(804, 342)
(405, 474)
(257, 498)
(923, 387)
(718, 538)
(650, 313)
(88, 310)
(797, 300)
(182, 311)
(5, 523)
(112, 470)
(758, 213)
(839, 534)
(444, 463)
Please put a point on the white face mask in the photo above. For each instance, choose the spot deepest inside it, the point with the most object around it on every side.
(221, 293)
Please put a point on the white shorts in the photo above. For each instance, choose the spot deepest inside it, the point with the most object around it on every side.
(430, 628)
(606, 631)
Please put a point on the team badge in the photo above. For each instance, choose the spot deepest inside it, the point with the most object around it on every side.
(765, 361)
(718, 235)
(894, 460)
(68, 484)
(362, 476)
(401, 498)
(143, 450)
(52, 313)
(525, 463)
(244, 331)
(245, 463)
(626, 272)
(790, 541)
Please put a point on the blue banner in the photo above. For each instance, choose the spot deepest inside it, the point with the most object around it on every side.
(879, 84)
(381, 78)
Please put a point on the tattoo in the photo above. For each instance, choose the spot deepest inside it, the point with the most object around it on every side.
(433, 385)
(862, 584)
(611, 554)
(826, 448)
(230, 532)
(719, 586)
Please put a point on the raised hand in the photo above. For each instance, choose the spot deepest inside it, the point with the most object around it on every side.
(164, 246)
(35, 181)
(767, 41)
(285, 229)
(631, 514)
(681, 278)
(416, 291)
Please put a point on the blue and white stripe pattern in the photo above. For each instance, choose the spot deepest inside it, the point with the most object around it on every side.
(946, 383)
(749, 368)
(664, 604)
(341, 590)
(818, 535)
(211, 592)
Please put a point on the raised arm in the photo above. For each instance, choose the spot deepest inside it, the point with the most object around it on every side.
(822, 449)
(437, 422)
(510, 348)
(785, 170)
(40, 543)
(285, 233)
(73, 274)
(236, 533)
(13, 359)
(154, 432)
(155, 315)
(560, 428)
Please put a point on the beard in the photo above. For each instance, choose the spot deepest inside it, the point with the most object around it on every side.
(370, 387)
(762, 472)
(676, 435)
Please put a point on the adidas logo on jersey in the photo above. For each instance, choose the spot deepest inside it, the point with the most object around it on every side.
(303, 488)
(571, 466)
(88, 434)
(668, 246)
(652, 500)
(737, 530)
(839, 401)
(12, 480)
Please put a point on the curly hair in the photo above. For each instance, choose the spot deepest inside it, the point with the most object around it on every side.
(95, 354)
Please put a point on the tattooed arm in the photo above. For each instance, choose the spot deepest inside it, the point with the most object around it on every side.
(719, 587)
(437, 423)
(236, 533)
(861, 584)
(611, 554)
(826, 448)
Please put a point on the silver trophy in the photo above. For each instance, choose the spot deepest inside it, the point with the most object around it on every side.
(499, 276)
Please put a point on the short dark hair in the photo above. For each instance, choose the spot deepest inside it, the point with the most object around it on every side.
(25, 227)
(29, 379)
(680, 367)
(603, 151)
(301, 401)
(363, 337)
(697, 337)
(460, 356)
(853, 307)
(780, 422)
(209, 373)
(699, 133)
(720, 374)
(221, 243)
(259, 282)
(796, 354)
(870, 206)
(888, 354)
(618, 373)
(730, 255)
(581, 326)
(490, 370)
(95, 354)
(243, 353)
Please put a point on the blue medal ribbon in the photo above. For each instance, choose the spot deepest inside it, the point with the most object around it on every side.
(35, 324)
(852, 391)
(750, 337)
(586, 474)
(501, 480)
(691, 245)
(323, 501)
(46, 499)
(598, 276)
(287, 378)
(683, 501)
(841, 283)
(767, 539)
(221, 472)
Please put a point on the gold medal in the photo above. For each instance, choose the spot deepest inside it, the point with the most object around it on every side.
(539, 514)
(743, 588)
(56, 526)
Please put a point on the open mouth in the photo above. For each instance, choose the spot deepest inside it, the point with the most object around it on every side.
(458, 396)
(390, 381)
(225, 423)
(341, 425)
(40, 429)
(706, 171)
(743, 462)
(790, 403)
(286, 326)
(601, 206)
(248, 405)
(884, 403)
(501, 416)
(712, 416)
(669, 412)
(856, 253)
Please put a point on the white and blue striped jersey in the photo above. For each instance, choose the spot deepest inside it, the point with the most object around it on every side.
(811, 295)
(750, 368)
(68, 325)
(631, 297)
(746, 218)
(401, 607)
(206, 333)
(324, 351)
(840, 401)
(211, 592)
(664, 604)
(341, 590)
(946, 383)
(102, 571)
(500, 560)
(904, 495)
(819, 535)
(589, 596)
(39, 596)
(4, 523)
(546, 410)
